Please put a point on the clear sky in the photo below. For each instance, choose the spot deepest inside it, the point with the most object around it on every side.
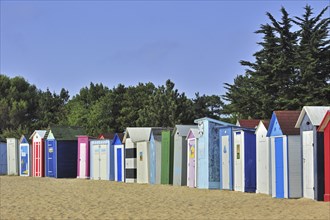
(196, 44)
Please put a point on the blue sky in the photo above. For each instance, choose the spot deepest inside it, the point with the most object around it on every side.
(196, 44)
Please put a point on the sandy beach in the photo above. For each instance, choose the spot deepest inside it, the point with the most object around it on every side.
(46, 198)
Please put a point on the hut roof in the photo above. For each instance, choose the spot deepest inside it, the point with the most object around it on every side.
(248, 123)
(182, 130)
(314, 113)
(287, 121)
(41, 133)
(213, 120)
(325, 121)
(66, 132)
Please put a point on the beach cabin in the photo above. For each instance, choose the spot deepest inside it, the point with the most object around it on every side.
(143, 154)
(312, 150)
(83, 162)
(12, 156)
(62, 152)
(285, 155)
(38, 152)
(25, 157)
(167, 158)
(244, 159)
(3, 157)
(263, 159)
(325, 128)
(226, 154)
(100, 159)
(137, 139)
(192, 145)
(248, 123)
(179, 136)
(118, 160)
(208, 153)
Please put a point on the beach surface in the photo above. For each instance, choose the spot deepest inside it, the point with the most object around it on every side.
(48, 198)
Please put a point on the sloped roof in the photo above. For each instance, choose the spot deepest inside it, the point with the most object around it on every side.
(182, 130)
(111, 135)
(213, 120)
(266, 123)
(66, 132)
(41, 133)
(287, 121)
(314, 113)
(194, 131)
(248, 123)
(325, 121)
(138, 134)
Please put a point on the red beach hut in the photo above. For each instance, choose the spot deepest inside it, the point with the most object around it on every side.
(325, 127)
(38, 153)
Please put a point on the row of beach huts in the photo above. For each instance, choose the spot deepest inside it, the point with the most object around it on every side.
(287, 156)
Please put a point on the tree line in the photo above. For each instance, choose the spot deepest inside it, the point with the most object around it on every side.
(292, 69)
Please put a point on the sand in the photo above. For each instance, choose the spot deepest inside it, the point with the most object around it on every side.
(47, 198)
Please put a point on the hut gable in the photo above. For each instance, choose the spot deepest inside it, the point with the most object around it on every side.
(193, 133)
(248, 123)
(182, 130)
(39, 134)
(314, 113)
(23, 140)
(325, 121)
(64, 132)
(116, 140)
(283, 123)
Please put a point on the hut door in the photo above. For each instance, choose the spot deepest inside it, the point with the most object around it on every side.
(50, 158)
(225, 161)
(191, 163)
(308, 166)
(238, 162)
(24, 158)
(103, 162)
(37, 158)
(11, 157)
(96, 162)
(142, 162)
(119, 164)
(279, 170)
(262, 165)
(82, 160)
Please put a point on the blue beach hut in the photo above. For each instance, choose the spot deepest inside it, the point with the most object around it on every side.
(61, 152)
(286, 152)
(208, 153)
(3, 157)
(25, 157)
(244, 159)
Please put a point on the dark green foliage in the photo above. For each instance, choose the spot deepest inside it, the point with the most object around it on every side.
(291, 69)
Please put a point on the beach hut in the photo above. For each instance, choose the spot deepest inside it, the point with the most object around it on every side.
(100, 159)
(248, 123)
(118, 160)
(143, 154)
(312, 150)
(263, 159)
(244, 159)
(226, 140)
(285, 155)
(208, 153)
(192, 145)
(62, 152)
(3, 157)
(155, 157)
(38, 153)
(12, 156)
(179, 136)
(325, 127)
(25, 157)
(167, 158)
(83, 162)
